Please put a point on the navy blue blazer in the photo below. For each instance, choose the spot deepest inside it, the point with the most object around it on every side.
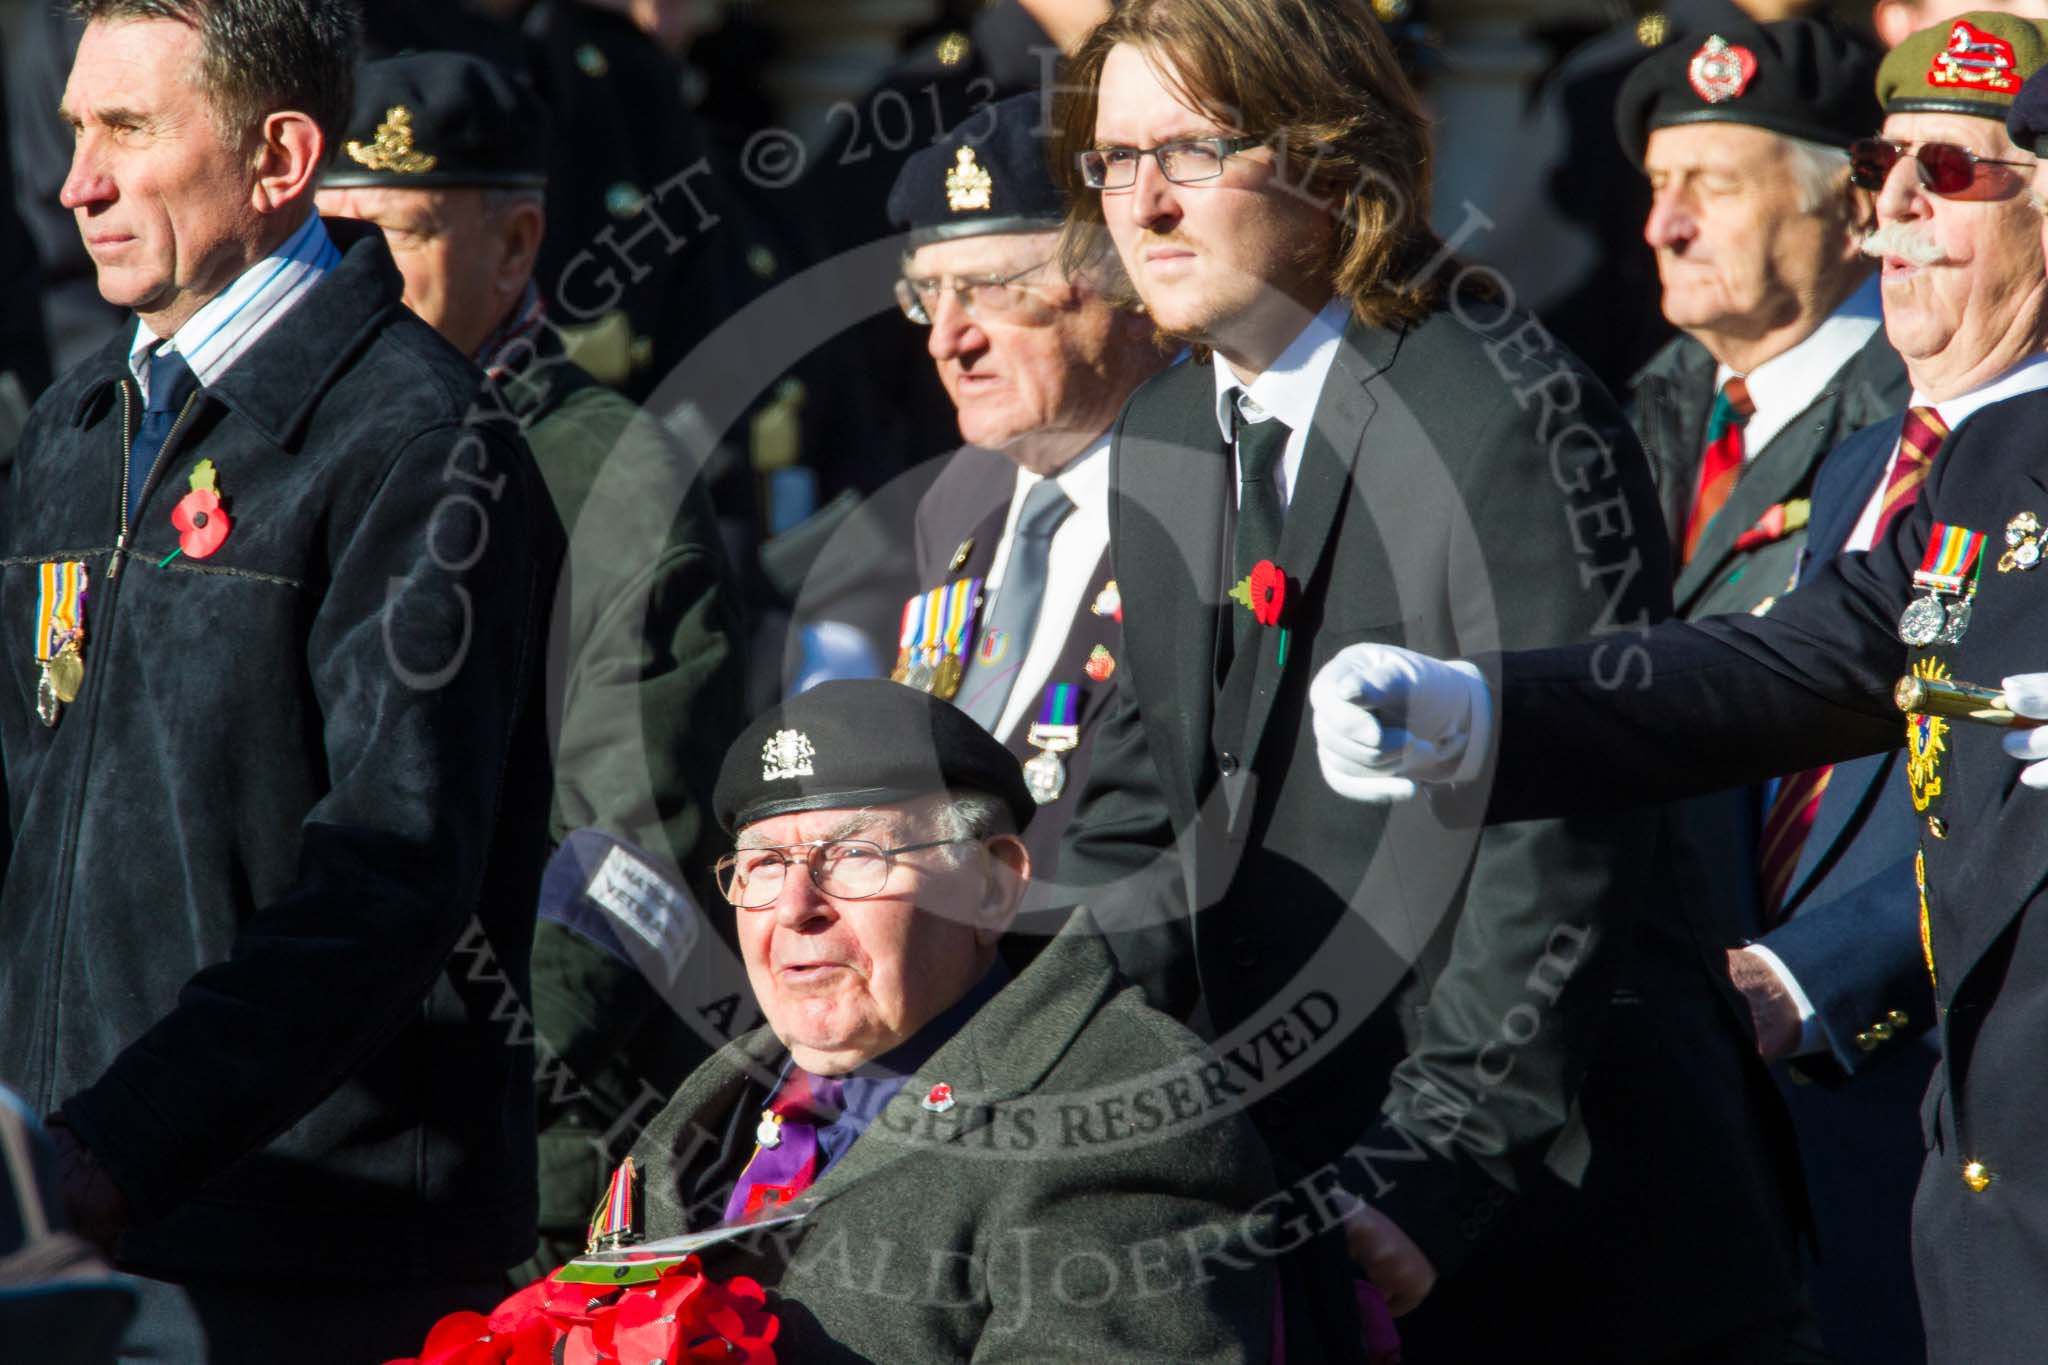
(1854, 941)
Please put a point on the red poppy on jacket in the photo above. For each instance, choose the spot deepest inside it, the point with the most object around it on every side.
(202, 526)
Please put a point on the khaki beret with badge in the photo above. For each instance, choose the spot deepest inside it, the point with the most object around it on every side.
(862, 742)
(1975, 63)
(1801, 78)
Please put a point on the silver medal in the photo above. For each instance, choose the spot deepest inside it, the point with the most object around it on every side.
(1923, 620)
(1958, 622)
(1046, 776)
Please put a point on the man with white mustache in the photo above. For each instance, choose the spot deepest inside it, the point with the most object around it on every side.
(1963, 281)
(1837, 982)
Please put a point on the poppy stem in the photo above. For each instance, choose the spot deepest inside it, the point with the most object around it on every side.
(1282, 660)
(165, 562)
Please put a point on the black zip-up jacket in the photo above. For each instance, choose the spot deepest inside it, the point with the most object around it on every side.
(272, 877)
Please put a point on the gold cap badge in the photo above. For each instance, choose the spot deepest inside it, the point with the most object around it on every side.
(393, 149)
(968, 184)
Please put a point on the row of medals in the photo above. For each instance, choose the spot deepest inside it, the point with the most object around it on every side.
(1930, 620)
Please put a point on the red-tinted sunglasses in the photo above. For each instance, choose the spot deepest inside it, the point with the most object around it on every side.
(1945, 168)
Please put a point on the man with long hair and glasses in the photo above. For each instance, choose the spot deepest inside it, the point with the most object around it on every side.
(1538, 1114)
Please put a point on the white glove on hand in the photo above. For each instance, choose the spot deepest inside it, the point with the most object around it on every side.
(1387, 718)
(2027, 695)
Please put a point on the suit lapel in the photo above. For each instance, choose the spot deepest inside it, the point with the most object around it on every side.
(1169, 482)
(1778, 471)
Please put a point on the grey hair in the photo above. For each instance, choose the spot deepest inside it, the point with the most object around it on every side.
(1822, 171)
(969, 815)
(259, 57)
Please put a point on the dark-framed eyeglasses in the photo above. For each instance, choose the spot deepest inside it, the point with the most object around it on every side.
(1184, 163)
(985, 298)
(850, 869)
(1945, 169)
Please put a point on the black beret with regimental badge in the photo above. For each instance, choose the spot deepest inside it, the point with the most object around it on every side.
(1972, 64)
(987, 175)
(2026, 123)
(862, 742)
(441, 120)
(1801, 78)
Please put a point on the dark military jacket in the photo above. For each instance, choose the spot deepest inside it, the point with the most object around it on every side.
(1739, 698)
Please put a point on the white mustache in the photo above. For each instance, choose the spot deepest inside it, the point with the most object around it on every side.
(1909, 245)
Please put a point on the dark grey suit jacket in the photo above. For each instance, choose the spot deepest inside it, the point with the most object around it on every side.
(1673, 395)
(959, 522)
(1084, 1198)
(1509, 1035)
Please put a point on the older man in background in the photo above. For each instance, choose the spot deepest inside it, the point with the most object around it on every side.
(1037, 363)
(448, 155)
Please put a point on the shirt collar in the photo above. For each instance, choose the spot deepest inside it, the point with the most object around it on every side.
(1783, 386)
(1084, 479)
(2030, 374)
(1293, 384)
(213, 338)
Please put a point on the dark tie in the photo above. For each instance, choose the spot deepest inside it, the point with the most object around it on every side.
(1259, 515)
(171, 384)
(1721, 462)
(986, 686)
(779, 1173)
(1790, 818)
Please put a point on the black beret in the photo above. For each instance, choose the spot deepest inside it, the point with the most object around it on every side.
(1802, 78)
(987, 175)
(862, 742)
(442, 120)
(2026, 123)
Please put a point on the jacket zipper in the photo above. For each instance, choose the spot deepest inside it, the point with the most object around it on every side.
(149, 476)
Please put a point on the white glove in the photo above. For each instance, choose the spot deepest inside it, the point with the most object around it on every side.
(1387, 718)
(2027, 695)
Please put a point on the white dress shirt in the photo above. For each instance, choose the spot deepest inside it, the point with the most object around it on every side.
(2025, 377)
(233, 320)
(1289, 390)
(1077, 546)
(1788, 383)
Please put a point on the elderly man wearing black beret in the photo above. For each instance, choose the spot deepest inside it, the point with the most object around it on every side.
(1017, 616)
(994, 1167)
(448, 155)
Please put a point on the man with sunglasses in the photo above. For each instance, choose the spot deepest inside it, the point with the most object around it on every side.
(1838, 980)
(1944, 594)
(1037, 361)
(1371, 442)
(987, 1166)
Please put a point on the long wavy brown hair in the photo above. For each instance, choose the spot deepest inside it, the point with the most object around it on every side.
(1317, 78)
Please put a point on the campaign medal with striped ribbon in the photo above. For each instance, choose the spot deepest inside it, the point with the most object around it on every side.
(1946, 572)
(612, 1224)
(1052, 734)
(60, 637)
